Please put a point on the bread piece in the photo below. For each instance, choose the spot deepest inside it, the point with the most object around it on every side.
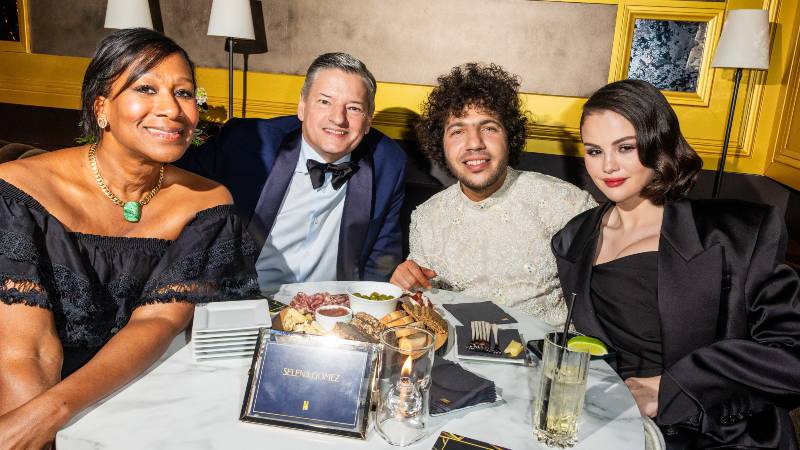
(405, 320)
(392, 316)
(348, 331)
(407, 331)
(414, 342)
(364, 317)
(368, 324)
(427, 315)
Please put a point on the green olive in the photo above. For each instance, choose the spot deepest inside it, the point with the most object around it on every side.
(373, 296)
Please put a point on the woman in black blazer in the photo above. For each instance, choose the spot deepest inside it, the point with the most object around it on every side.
(693, 294)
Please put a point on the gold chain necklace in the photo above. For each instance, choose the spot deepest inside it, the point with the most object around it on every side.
(131, 211)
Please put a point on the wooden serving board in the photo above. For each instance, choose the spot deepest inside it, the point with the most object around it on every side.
(440, 339)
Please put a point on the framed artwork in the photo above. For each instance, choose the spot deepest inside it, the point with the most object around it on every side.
(670, 45)
(14, 26)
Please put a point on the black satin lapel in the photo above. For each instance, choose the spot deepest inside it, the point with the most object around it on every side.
(585, 239)
(680, 230)
(574, 251)
(355, 219)
(688, 299)
(274, 190)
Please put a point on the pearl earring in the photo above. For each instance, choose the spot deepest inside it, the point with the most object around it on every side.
(102, 122)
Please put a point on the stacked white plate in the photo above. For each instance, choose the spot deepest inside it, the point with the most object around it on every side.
(228, 329)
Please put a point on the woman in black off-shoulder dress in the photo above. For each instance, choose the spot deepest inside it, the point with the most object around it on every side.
(104, 248)
(693, 294)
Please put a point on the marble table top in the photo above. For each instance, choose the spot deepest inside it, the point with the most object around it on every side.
(181, 404)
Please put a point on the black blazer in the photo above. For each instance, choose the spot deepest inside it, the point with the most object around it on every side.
(730, 320)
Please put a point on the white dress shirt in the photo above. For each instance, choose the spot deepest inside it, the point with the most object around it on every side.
(499, 248)
(304, 242)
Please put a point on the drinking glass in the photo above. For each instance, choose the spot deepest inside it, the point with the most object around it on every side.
(404, 380)
(562, 386)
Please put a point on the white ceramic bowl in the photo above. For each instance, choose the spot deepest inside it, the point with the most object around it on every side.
(375, 308)
(328, 323)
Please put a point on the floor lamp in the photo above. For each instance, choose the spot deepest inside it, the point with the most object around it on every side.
(231, 19)
(128, 14)
(744, 44)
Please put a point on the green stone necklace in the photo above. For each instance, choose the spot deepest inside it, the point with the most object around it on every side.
(131, 211)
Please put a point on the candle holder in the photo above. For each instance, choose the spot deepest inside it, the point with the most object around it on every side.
(404, 380)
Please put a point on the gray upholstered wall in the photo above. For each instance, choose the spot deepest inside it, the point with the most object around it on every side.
(556, 48)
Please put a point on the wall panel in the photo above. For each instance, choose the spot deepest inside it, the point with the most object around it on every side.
(298, 29)
(784, 165)
(556, 48)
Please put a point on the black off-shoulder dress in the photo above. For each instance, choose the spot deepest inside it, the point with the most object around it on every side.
(625, 297)
(93, 283)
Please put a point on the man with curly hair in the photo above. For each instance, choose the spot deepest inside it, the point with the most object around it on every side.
(489, 234)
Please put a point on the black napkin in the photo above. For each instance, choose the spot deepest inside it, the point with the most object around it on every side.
(452, 441)
(464, 337)
(453, 388)
(486, 311)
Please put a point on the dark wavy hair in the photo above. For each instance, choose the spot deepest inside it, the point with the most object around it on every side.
(659, 141)
(487, 87)
(137, 49)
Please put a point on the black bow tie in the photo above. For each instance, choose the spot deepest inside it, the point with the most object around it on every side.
(341, 172)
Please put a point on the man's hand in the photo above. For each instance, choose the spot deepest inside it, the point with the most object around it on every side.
(410, 275)
(645, 393)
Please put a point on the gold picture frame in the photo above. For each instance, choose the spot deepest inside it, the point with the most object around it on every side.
(711, 14)
(23, 45)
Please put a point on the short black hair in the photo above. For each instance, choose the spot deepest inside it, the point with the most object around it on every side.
(138, 49)
(487, 87)
(660, 144)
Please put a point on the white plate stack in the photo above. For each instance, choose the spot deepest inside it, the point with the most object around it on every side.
(228, 329)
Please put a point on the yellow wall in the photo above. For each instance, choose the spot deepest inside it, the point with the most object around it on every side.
(782, 139)
(54, 81)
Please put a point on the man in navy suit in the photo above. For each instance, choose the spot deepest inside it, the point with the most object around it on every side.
(321, 192)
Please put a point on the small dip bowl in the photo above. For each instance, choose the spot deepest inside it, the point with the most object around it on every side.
(327, 316)
(375, 308)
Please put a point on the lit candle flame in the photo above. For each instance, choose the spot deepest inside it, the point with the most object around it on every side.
(406, 370)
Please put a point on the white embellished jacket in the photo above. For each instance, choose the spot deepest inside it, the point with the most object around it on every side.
(499, 248)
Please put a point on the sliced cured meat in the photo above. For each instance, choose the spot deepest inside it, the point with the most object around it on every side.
(308, 303)
(419, 298)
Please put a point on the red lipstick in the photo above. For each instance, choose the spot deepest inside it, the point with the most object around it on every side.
(614, 182)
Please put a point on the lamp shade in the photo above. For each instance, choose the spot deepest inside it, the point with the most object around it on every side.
(745, 40)
(231, 18)
(128, 14)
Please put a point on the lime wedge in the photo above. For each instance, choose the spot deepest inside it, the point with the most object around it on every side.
(593, 346)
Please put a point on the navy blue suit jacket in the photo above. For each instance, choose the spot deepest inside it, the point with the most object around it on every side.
(255, 159)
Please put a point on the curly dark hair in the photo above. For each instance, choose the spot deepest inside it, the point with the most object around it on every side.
(661, 145)
(487, 87)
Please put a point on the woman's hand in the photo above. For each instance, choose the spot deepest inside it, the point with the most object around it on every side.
(31, 426)
(409, 275)
(140, 342)
(645, 393)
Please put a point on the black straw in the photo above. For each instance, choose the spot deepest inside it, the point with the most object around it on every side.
(570, 308)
